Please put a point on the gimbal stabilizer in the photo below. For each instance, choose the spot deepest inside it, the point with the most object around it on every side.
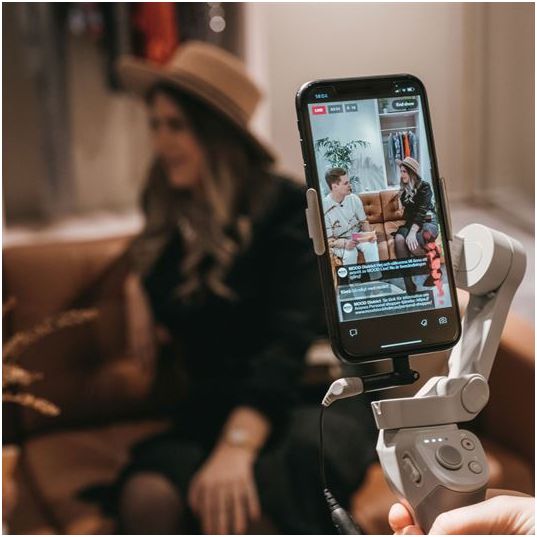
(431, 464)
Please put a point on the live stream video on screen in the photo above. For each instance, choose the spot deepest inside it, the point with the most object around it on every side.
(380, 212)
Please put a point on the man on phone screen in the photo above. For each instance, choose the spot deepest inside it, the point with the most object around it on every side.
(345, 219)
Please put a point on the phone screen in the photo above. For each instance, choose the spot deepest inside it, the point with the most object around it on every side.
(375, 171)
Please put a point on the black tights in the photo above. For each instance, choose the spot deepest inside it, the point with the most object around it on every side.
(150, 505)
(402, 251)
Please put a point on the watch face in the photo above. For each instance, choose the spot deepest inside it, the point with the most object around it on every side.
(237, 437)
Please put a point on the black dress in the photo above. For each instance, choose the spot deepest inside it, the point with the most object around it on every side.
(420, 211)
(250, 351)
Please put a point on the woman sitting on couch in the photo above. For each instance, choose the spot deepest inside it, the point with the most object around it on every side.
(421, 225)
(225, 268)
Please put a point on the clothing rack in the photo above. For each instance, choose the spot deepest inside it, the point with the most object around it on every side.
(399, 129)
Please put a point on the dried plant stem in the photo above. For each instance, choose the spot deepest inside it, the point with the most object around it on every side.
(8, 305)
(15, 375)
(31, 401)
(21, 341)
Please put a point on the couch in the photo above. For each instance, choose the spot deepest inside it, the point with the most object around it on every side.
(103, 393)
(384, 215)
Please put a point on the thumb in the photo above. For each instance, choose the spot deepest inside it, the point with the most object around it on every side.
(497, 515)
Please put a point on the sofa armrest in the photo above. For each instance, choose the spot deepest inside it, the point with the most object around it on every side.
(509, 417)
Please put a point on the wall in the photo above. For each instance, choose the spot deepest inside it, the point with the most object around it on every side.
(466, 54)
(310, 41)
(510, 101)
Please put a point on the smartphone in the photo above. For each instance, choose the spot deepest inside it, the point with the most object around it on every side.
(371, 169)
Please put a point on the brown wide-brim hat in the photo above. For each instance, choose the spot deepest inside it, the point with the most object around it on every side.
(410, 164)
(207, 73)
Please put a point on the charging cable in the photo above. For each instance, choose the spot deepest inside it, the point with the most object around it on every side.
(339, 389)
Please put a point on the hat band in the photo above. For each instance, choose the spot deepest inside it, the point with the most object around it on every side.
(208, 92)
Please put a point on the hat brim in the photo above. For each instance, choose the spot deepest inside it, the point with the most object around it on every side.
(138, 76)
(403, 163)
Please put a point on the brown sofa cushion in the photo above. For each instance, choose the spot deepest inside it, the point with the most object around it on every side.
(372, 207)
(47, 278)
(62, 464)
(509, 417)
(85, 368)
(391, 208)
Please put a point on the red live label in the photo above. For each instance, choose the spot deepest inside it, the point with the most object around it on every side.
(318, 110)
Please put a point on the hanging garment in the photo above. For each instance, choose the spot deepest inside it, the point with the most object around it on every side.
(413, 139)
(397, 146)
(157, 22)
(389, 150)
(388, 159)
(406, 145)
(42, 30)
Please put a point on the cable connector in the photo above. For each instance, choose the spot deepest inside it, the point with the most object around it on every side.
(341, 388)
(342, 521)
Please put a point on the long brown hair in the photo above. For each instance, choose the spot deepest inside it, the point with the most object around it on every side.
(412, 186)
(215, 225)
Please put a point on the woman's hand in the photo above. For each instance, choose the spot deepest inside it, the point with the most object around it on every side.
(223, 492)
(350, 244)
(411, 241)
(504, 513)
(141, 337)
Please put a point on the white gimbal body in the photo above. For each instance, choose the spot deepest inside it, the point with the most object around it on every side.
(426, 459)
(431, 464)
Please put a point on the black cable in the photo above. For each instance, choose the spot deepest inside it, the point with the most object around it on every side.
(321, 449)
(342, 521)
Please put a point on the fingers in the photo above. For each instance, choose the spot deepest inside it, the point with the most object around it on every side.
(206, 510)
(499, 515)
(492, 493)
(252, 500)
(239, 512)
(410, 530)
(222, 509)
(399, 517)
(222, 500)
(495, 515)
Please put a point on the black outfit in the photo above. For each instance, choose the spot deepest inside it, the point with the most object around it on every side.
(250, 351)
(420, 211)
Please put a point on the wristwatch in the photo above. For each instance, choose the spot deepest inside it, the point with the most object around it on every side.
(240, 437)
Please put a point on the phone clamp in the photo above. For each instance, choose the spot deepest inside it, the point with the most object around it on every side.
(400, 375)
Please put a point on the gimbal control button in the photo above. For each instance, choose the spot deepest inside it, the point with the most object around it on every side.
(466, 443)
(411, 469)
(449, 457)
(475, 467)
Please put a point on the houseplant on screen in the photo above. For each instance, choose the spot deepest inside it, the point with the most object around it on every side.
(15, 381)
(339, 155)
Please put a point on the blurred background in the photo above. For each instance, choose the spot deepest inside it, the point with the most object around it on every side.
(76, 150)
(75, 145)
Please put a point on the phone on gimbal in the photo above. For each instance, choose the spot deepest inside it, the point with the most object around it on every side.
(377, 214)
